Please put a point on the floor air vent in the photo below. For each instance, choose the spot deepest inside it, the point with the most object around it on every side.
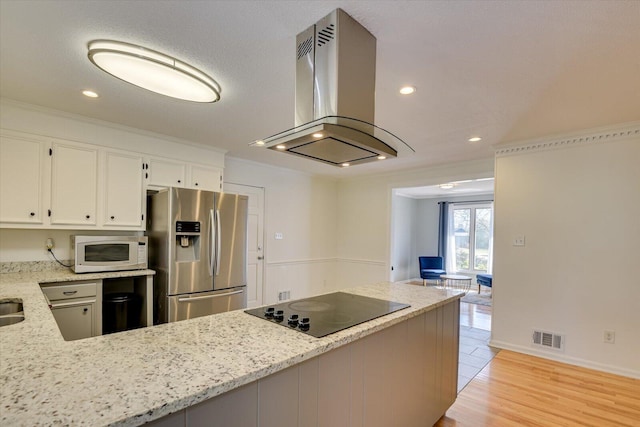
(548, 340)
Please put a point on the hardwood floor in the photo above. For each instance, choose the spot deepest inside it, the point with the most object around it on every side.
(515, 389)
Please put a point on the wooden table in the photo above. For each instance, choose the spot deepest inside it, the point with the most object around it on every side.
(456, 281)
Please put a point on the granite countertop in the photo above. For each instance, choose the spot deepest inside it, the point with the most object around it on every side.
(136, 376)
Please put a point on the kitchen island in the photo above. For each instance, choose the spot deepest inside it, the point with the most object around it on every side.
(400, 365)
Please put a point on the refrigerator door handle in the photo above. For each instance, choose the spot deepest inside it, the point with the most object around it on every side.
(188, 299)
(210, 246)
(218, 241)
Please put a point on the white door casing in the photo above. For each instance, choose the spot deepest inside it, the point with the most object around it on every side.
(255, 256)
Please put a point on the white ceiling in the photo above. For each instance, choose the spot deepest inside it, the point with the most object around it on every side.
(504, 70)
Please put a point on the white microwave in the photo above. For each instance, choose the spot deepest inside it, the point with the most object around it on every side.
(109, 253)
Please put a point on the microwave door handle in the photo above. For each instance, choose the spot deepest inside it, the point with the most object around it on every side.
(211, 240)
(218, 241)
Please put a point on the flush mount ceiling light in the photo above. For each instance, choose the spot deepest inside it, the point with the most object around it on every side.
(90, 94)
(153, 71)
(475, 139)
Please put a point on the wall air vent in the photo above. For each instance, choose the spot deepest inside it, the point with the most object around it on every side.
(548, 340)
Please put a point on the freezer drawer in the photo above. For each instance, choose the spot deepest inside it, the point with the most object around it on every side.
(188, 306)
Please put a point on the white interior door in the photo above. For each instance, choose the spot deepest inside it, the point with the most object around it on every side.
(255, 258)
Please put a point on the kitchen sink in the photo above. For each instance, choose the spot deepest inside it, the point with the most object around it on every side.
(11, 311)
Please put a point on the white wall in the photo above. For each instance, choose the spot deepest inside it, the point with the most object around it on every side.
(303, 208)
(365, 209)
(404, 229)
(578, 208)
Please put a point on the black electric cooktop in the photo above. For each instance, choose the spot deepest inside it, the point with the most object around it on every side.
(325, 314)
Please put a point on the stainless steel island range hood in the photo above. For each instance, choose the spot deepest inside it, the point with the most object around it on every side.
(335, 97)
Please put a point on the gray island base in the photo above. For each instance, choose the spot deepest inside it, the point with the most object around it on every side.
(404, 375)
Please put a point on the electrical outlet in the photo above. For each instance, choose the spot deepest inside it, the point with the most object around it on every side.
(284, 295)
(49, 243)
(518, 241)
(610, 337)
(279, 236)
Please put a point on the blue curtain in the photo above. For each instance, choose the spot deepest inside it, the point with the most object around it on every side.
(442, 231)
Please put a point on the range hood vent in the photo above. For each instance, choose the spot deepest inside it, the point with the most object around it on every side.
(335, 97)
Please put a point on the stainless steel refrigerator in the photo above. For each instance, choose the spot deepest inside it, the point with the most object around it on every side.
(198, 248)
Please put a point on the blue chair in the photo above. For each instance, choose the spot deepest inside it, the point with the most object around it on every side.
(484, 280)
(431, 267)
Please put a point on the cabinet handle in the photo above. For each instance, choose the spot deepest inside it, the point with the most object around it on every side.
(88, 216)
(32, 214)
(179, 181)
(69, 292)
(85, 309)
(113, 217)
(196, 184)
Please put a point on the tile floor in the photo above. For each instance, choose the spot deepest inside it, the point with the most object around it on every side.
(475, 332)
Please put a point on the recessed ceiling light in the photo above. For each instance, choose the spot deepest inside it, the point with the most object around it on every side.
(90, 93)
(344, 165)
(475, 139)
(260, 142)
(318, 135)
(153, 71)
(407, 90)
(281, 147)
(382, 157)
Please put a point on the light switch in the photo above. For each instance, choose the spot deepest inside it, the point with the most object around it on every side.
(279, 236)
(518, 241)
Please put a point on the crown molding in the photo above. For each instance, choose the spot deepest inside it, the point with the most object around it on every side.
(608, 134)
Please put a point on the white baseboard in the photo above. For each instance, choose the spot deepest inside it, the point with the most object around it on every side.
(560, 357)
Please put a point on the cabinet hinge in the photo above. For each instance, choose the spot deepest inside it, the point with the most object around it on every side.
(51, 151)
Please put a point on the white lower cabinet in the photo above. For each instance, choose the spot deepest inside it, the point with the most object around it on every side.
(405, 375)
(77, 308)
(75, 319)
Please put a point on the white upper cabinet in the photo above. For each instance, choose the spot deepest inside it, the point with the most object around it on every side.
(52, 183)
(206, 178)
(165, 173)
(161, 172)
(124, 199)
(23, 165)
(74, 184)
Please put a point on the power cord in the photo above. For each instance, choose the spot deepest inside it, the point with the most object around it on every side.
(57, 260)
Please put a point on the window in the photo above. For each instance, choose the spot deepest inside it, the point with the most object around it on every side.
(470, 234)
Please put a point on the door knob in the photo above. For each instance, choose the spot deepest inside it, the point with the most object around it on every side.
(260, 257)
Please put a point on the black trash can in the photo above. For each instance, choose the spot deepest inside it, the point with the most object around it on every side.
(120, 312)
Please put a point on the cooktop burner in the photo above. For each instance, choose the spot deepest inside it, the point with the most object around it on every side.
(325, 314)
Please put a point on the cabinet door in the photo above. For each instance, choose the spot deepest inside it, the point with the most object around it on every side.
(165, 173)
(123, 190)
(75, 320)
(204, 178)
(74, 173)
(22, 168)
